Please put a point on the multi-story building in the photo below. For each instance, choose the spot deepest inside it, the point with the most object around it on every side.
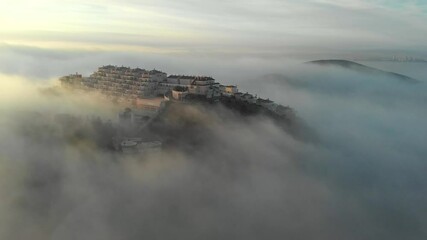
(125, 82)
(72, 80)
(140, 87)
(199, 85)
(229, 90)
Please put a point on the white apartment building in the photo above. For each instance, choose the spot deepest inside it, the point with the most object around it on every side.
(130, 84)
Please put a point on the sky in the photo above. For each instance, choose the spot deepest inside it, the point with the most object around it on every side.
(269, 28)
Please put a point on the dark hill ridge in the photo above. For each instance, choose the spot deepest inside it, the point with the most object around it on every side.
(363, 68)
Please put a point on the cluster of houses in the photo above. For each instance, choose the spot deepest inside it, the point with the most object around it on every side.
(139, 87)
(133, 83)
(143, 90)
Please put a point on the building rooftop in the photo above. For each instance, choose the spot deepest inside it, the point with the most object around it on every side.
(260, 100)
(129, 143)
(133, 70)
(154, 71)
(201, 78)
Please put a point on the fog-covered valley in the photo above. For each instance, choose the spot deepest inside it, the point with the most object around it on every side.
(361, 176)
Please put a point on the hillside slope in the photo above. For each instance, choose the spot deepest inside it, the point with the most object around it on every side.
(363, 68)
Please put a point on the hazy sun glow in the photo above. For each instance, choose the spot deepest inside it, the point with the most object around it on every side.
(93, 25)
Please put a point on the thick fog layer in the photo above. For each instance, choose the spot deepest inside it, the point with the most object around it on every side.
(376, 130)
(362, 176)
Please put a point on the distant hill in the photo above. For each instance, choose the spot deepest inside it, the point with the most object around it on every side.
(363, 68)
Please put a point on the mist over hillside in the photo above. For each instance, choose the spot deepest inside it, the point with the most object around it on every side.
(363, 177)
(374, 127)
(363, 69)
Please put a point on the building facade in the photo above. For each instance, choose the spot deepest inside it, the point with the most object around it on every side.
(134, 83)
(140, 88)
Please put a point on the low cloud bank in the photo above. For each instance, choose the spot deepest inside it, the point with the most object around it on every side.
(364, 178)
(374, 126)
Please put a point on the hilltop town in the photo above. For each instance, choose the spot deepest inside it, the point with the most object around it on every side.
(145, 94)
(140, 87)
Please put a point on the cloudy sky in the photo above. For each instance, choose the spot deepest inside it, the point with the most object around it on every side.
(267, 28)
